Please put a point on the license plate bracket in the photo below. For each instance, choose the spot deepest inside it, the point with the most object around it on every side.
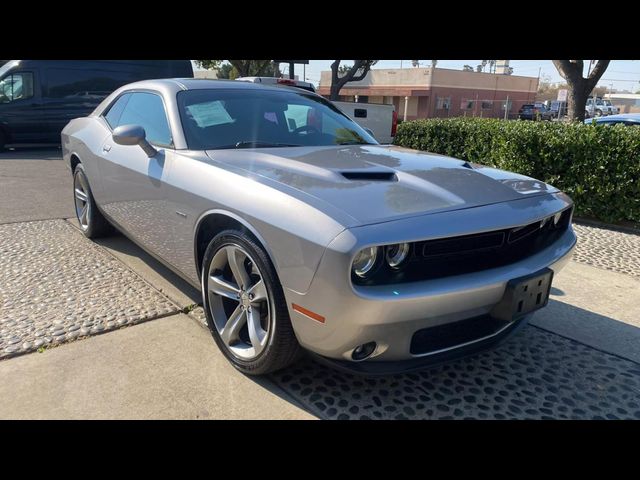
(524, 295)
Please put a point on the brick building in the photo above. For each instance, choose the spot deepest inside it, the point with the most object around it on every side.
(439, 92)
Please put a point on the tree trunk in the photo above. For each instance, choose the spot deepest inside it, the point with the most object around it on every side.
(336, 83)
(356, 73)
(335, 92)
(579, 87)
(577, 101)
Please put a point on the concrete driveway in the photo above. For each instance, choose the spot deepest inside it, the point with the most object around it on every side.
(577, 359)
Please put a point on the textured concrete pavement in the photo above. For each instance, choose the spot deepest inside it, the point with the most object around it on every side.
(56, 285)
(166, 369)
(596, 307)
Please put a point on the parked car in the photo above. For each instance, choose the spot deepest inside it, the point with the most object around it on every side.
(537, 111)
(380, 120)
(39, 97)
(630, 119)
(612, 109)
(311, 235)
(597, 107)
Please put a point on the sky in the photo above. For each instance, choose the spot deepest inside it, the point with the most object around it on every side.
(620, 75)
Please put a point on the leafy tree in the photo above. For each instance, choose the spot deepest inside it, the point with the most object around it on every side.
(244, 68)
(356, 72)
(434, 63)
(344, 69)
(579, 86)
(226, 70)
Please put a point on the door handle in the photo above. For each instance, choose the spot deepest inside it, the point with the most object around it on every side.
(106, 148)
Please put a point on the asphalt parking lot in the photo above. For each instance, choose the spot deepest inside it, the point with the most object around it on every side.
(101, 330)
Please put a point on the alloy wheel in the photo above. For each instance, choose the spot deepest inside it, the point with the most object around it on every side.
(239, 302)
(81, 197)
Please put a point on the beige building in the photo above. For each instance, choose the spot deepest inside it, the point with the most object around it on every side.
(626, 102)
(439, 92)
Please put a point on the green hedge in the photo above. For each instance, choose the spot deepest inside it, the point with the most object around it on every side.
(599, 167)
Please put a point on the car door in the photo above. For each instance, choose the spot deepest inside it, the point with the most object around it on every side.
(134, 191)
(21, 107)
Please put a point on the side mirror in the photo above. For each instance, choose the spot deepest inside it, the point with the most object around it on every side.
(133, 135)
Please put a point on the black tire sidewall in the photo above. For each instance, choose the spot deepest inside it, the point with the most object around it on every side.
(278, 309)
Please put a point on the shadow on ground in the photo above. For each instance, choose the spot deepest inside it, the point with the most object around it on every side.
(534, 375)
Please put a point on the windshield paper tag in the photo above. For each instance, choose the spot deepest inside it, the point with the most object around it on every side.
(209, 114)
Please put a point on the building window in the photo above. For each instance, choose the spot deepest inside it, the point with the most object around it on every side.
(443, 103)
(487, 104)
(466, 104)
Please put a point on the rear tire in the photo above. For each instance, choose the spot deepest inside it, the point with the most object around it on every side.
(90, 219)
(245, 305)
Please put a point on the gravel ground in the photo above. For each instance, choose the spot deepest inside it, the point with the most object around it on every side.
(535, 375)
(56, 286)
(609, 249)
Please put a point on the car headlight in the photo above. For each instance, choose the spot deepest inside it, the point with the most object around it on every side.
(396, 254)
(365, 261)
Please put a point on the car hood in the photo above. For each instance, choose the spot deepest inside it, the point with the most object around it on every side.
(373, 183)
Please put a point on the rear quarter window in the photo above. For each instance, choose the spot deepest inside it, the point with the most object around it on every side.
(115, 110)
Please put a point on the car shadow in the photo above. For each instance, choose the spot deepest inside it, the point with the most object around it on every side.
(540, 373)
(146, 266)
(537, 374)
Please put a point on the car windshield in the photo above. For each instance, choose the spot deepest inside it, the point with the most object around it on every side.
(242, 118)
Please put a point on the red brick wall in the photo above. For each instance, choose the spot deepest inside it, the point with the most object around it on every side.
(494, 99)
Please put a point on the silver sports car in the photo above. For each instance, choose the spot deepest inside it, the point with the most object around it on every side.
(304, 233)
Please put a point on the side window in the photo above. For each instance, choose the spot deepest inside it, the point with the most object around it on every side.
(17, 86)
(115, 111)
(147, 110)
(297, 116)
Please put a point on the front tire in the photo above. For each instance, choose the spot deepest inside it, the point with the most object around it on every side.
(91, 221)
(245, 305)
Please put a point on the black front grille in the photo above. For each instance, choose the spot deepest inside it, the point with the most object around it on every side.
(473, 253)
(454, 334)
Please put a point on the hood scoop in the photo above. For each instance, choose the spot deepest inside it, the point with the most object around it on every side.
(369, 176)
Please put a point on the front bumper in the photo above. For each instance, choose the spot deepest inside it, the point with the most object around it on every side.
(391, 314)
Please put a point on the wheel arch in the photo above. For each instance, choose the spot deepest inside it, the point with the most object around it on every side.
(212, 222)
(74, 160)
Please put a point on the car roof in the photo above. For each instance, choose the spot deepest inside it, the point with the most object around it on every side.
(178, 84)
(622, 117)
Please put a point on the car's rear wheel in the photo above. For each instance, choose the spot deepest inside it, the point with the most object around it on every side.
(91, 221)
(245, 305)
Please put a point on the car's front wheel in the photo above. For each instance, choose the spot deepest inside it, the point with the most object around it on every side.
(91, 221)
(245, 305)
